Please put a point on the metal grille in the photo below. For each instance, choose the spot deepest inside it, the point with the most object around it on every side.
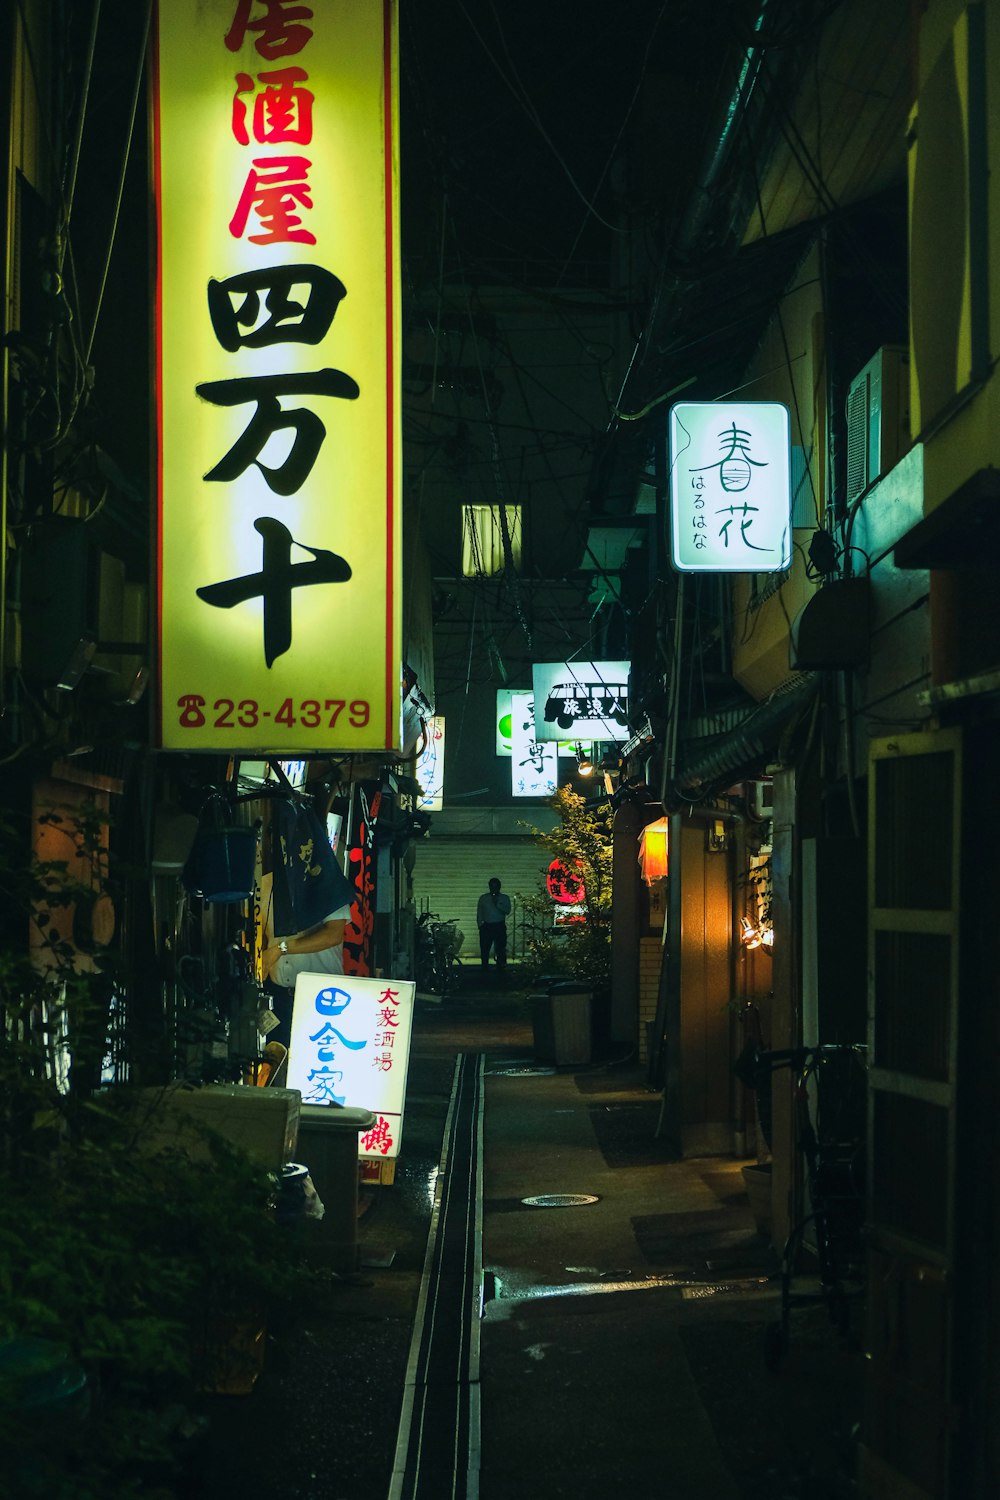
(912, 1022)
(909, 1165)
(857, 436)
(914, 833)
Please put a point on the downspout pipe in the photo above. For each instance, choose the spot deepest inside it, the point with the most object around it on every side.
(612, 490)
(8, 44)
(694, 225)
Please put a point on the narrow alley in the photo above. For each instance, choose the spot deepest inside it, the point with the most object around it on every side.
(623, 1335)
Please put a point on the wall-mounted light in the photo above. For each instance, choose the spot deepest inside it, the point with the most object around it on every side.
(584, 764)
(749, 936)
(654, 850)
(756, 937)
(564, 882)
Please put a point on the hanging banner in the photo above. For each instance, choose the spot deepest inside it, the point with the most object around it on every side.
(534, 767)
(350, 1047)
(587, 698)
(730, 487)
(366, 798)
(429, 769)
(277, 374)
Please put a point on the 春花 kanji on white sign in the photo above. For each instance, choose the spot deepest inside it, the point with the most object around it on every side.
(730, 487)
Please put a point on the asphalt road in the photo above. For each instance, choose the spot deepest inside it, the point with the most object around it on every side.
(622, 1345)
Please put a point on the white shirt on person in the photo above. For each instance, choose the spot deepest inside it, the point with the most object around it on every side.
(492, 908)
(326, 961)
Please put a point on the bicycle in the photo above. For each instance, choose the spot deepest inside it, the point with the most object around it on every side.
(438, 967)
(830, 1095)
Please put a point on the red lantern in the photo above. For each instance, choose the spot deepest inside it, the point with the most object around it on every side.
(564, 883)
(654, 842)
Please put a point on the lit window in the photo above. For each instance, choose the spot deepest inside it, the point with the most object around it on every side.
(482, 539)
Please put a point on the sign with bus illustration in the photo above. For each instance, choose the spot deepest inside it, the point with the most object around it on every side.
(585, 700)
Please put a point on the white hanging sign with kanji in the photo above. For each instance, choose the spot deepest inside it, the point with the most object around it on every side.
(534, 767)
(429, 769)
(730, 487)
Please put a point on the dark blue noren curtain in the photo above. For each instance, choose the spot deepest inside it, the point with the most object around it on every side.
(308, 882)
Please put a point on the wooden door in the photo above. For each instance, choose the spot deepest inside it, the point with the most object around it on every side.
(915, 860)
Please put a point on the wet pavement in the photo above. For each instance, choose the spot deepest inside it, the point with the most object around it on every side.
(623, 1335)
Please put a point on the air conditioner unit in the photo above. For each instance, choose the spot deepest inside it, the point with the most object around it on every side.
(878, 418)
(761, 798)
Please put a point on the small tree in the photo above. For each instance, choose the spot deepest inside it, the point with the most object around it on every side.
(582, 842)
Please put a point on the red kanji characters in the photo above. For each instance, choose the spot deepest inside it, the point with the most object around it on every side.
(278, 34)
(282, 112)
(378, 1138)
(274, 188)
(360, 872)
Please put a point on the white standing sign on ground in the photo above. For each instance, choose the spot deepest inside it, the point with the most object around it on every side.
(350, 1046)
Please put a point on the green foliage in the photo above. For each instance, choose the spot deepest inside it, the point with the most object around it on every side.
(53, 1007)
(123, 1256)
(580, 950)
(128, 1259)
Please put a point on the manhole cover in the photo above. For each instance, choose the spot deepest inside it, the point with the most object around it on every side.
(559, 1200)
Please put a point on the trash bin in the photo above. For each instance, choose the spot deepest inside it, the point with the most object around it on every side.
(541, 1028)
(328, 1143)
(561, 1024)
(298, 1200)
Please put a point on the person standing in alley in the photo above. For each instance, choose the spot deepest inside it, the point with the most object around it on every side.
(491, 915)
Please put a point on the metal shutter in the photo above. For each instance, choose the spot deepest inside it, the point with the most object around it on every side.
(450, 875)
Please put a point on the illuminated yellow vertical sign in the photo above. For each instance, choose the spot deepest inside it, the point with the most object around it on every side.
(277, 321)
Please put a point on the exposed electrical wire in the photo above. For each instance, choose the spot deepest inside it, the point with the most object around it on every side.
(773, 38)
(522, 98)
(126, 152)
(781, 329)
(643, 68)
(810, 170)
(68, 193)
(636, 416)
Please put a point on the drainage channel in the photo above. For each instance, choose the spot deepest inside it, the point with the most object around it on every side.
(438, 1444)
(504, 1298)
